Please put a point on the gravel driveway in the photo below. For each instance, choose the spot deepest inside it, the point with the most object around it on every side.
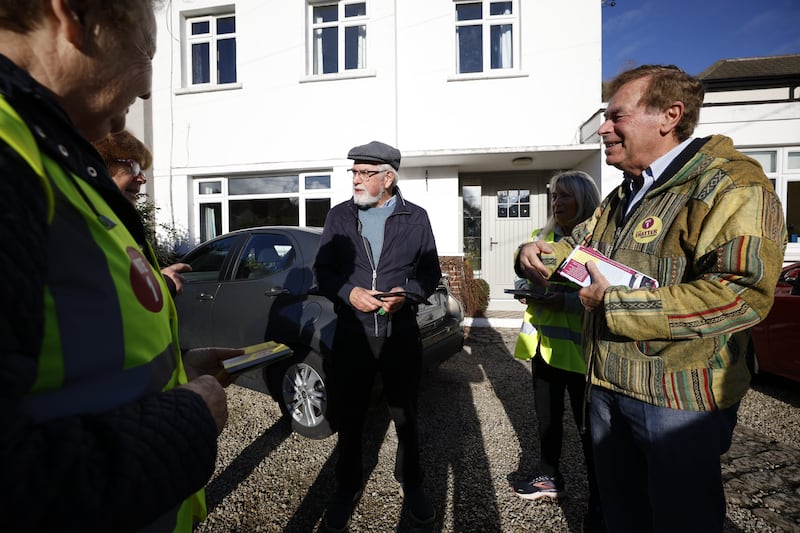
(478, 433)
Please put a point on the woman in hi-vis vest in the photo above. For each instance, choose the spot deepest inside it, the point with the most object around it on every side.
(551, 337)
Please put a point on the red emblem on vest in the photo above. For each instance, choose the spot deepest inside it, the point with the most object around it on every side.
(144, 282)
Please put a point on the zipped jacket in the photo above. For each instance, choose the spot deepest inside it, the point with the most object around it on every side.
(408, 259)
(711, 231)
(555, 335)
(95, 435)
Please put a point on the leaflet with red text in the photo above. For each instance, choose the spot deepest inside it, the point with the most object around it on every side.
(574, 269)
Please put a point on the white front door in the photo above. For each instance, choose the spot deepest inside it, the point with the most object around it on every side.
(512, 205)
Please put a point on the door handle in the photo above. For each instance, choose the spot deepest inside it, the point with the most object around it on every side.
(492, 242)
(205, 296)
(276, 291)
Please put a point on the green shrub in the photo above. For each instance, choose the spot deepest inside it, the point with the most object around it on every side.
(169, 242)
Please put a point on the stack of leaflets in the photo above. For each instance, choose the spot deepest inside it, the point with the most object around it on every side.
(574, 269)
(256, 356)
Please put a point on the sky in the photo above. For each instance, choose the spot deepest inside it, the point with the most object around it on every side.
(694, 34)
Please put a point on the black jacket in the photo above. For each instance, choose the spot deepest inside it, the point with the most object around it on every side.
(112, 471)
(408, 259)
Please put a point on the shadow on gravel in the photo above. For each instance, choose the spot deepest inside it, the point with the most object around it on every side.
(778, 387)
(511, 381)
(453, 449)
(244, 464)
(311, 510)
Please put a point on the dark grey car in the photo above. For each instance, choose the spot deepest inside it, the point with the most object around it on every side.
(256, 284)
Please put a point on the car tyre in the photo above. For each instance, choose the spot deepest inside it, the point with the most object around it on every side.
(300, 387)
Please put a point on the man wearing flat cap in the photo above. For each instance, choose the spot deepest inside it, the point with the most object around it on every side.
(373, 244)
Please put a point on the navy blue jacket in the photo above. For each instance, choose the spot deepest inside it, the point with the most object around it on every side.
(408, 260)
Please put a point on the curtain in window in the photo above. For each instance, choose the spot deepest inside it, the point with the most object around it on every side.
(209, 222)
(362, 47)
(317, 51)
(502, 52)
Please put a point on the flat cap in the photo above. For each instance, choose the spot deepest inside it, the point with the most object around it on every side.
(376, 152)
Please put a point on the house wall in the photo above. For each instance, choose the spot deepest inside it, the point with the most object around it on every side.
(277, 118)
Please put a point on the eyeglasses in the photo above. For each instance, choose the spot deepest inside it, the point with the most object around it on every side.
(135, 166)
(365, 175)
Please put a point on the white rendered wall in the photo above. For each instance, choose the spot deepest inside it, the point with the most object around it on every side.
(277, 118)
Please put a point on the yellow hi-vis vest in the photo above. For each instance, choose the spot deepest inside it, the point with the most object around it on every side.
(110, 326)
(555, 334)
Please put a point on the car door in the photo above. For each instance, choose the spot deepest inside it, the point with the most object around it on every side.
(243, 301)
(195, 304)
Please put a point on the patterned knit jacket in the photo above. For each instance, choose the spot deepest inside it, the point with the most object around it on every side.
(711, 230)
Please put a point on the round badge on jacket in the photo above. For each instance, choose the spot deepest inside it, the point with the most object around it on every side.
(647, 230)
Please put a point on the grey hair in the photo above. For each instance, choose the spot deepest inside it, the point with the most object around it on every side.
(386, 166)
(583, 187)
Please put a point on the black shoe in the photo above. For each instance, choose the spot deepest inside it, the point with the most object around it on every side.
(418, 504)
(340, 508)
(539, 486)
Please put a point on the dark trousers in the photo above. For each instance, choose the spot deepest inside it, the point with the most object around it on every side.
(549, 385)
(356, 361)
(659, 468)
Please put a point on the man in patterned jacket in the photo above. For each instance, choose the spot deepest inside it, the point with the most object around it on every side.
(667, 365)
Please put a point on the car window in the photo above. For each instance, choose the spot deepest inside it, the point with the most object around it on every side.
(207, 260)
(265, 254)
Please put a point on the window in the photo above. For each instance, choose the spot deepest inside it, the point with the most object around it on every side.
(237, 202)
(264, 255)
(207, 261)
(471, 195)
(211, 50)
(514, 203)
(782, 167)
(338, 37)
(486, 36)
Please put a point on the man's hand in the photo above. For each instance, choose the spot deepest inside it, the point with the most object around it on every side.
(202, 361)
(392, 304)
(214, 395)
(592, 296)
(173, 272)
(531, 264)
(363, 300)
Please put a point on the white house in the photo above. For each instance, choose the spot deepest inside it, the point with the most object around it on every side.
(256, 103)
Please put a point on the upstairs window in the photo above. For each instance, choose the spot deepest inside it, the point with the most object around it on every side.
(211, 50)
(338, 37)
(486, 36)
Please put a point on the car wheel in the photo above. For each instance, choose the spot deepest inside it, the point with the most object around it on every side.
(300, 388)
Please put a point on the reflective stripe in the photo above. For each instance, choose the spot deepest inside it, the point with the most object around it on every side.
(103, 391)
(561, 333)
(79, 289)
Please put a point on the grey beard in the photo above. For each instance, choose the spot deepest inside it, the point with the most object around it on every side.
(366, 200)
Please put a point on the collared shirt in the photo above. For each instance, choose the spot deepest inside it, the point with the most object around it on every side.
(653, 172)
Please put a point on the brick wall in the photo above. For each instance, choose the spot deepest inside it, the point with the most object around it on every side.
(462, 284)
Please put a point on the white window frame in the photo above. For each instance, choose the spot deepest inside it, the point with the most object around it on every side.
(315, 64)
(223, 197)
(781, 176)
(487, 22)
(212, 38)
